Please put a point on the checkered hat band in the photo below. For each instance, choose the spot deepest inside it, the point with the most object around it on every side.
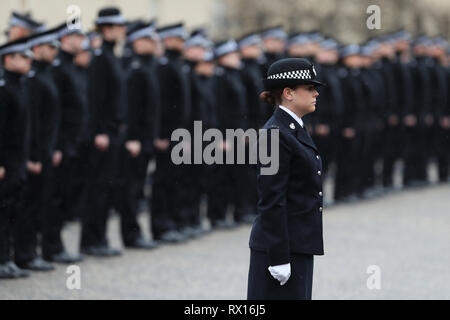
(297, 74)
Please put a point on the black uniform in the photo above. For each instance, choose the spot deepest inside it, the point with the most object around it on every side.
(232, 113)
(142, 125)
(36, 214)
(404, 82)
(106, 97)
(328, 111)
(288, 228)
(439, 135)
(14, 144)
(166, 205)
(349, 169)
(203, 108)
(69, 136)
(391, 108)
(258, 113)
(416, 156)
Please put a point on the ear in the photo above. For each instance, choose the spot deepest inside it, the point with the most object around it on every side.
(287, 94)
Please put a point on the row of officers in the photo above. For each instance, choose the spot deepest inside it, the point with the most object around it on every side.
(79, 126)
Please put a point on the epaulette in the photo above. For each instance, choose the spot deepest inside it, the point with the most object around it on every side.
(219, 71)
(185, 68)
(342, 72)
(2, 82)
(163, 60)
(56, 63)
(31, 74)
(136, 64)
(98, 52)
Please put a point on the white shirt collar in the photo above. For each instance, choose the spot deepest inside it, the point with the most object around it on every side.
(293, 115)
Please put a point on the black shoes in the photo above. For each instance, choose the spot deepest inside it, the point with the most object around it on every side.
(10, 270)
(171, 237)
(223, 224)
(141, 243)
(246, 219)
(63, 257)
(192, 232)
(37, 264)
(101, 251)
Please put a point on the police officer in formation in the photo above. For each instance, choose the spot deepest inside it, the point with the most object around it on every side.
(80, 126)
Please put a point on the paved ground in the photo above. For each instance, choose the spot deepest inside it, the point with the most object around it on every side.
(406, 234)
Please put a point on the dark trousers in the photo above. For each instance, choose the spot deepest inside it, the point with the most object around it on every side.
(414, 155)
(392, 150)
(230, 187)
(326, 146)
(443, 152)
(348, 173)
(129, 184)
(6, 228)
(165, 205)
(262, 286)
(11, 189)
(101, 193)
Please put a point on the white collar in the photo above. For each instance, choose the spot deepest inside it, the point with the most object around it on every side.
(293, 115)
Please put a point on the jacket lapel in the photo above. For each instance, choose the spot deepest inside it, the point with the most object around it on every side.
(304, 137)
(295, 128)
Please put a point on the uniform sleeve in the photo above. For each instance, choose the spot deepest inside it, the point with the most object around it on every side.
(35, 125)
(272, 190)
(136, 101)
(3, 103)
(97, 92)
(49, 133)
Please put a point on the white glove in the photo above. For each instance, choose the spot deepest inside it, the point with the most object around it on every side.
(281, 273)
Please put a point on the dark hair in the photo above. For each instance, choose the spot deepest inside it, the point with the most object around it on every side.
(273, 96)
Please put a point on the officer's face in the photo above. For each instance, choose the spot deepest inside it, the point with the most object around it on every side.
(83, 59)
(251, 52)
(144, 46)
(274, 45)
(16, 33)
(114, 33)
(47, 52)
(303, 98)
(18, 63)
(194, 53)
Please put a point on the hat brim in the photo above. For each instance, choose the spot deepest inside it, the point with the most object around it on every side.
(282, 83)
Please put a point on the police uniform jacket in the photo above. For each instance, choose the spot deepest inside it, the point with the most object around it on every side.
(290, 202)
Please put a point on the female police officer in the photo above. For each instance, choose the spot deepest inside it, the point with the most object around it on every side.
(288, 229)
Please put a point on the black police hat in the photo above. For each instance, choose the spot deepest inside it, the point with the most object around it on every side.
(110, 15)
(291, 72)
(24, 21)
(18, 46)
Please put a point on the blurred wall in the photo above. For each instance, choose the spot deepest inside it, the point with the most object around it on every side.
(194, 12)
(343, 19)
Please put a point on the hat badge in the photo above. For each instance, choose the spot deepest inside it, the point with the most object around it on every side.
(292, 126)
(314, 71)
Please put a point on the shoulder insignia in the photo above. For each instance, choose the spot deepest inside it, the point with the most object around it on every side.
(135, 64)
(98, 52)
(219, 71)
(31, 74)
(163, 60)
(342, 72)
(56, 63)
(2, 83)
(186, 68)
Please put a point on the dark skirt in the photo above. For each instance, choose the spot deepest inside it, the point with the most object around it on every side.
(262, 286)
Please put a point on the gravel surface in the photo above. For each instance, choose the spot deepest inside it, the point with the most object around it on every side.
(406, 234)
